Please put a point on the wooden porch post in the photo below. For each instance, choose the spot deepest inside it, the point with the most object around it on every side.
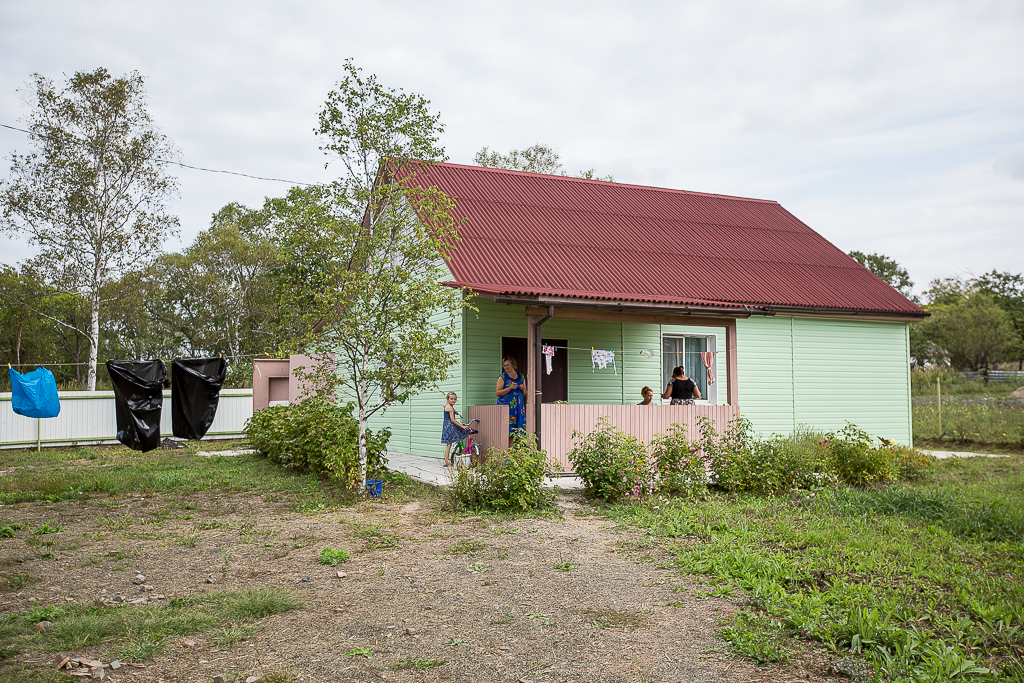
(730, 354)
(531, 373)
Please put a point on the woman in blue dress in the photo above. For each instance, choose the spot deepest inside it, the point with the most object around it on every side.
(509, 390)
(452, 431)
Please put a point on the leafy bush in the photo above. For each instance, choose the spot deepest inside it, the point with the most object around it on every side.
(509, 480)
(615, 465)
(741, 462)
(316, 436)
(333, 556)
(611, 463)
(857, 461)
(679, 463)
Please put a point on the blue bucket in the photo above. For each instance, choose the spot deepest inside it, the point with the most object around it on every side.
(375, 486)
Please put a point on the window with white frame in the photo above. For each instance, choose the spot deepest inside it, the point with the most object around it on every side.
(686, 350)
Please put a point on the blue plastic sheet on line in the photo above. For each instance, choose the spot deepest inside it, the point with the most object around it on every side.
(34, 394)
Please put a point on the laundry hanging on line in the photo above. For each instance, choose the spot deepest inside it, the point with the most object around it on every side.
(195, 394)
(708, 358)
(548, 353)
(138, 400)
(601, 358)
(34, 394)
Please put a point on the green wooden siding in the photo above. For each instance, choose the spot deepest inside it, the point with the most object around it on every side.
(639, 371)
(793, 372)
(819, 373)
(416, 424)
(764, 364)
(482, 346)
(485, 328)
(722, 378)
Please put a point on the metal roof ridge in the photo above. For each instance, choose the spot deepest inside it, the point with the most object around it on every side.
(495, 288)
(491, 169)
(597, 212)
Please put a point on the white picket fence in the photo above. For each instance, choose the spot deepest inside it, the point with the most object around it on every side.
(89, 418)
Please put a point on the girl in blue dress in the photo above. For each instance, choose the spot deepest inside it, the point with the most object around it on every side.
(509, 391)
(452, 431)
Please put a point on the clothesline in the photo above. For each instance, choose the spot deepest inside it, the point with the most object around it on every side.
(577, 348)
(55, 365)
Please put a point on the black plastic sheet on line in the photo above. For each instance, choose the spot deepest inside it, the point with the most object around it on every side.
(195, 392)
(138, 400)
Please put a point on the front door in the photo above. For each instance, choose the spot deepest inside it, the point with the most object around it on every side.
(553, 387)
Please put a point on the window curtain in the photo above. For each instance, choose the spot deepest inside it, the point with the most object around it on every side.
(684, 351)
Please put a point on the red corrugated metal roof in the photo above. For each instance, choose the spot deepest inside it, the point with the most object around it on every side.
(532, 234)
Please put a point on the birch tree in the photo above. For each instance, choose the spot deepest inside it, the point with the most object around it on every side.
(365, 256)
(92, 193)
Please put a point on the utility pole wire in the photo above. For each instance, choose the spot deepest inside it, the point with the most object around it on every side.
(183, 165)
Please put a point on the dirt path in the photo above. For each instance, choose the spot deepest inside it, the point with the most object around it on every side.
(517, 618)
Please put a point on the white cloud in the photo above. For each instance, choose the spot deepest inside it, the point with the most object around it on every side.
(888, 126)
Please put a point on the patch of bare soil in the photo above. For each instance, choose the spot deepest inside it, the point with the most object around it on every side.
(500, 612)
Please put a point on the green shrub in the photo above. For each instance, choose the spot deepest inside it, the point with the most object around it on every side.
(316, 436)
(727, 454)
(739, 461)
(679, 464)
(611, 463)
(333, 556)
(857, 461)
(911, 463)
(510, 480)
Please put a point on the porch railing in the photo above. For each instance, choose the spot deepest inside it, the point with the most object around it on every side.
(493, 426)
(558, 422)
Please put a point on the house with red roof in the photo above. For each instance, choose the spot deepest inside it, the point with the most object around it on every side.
(769, 319)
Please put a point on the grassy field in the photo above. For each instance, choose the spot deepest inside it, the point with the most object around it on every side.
(917, 582)
(920, 581)
(102, 480)
(925, 383)
(966, 422)
(61, 474)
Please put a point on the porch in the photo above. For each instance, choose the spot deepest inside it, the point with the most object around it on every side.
(560, 421)
(567, 393)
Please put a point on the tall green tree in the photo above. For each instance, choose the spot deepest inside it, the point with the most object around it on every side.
(539, 158)
(365, 255)
(973, 333)
(947, 291)
(1007, 291)
(92, 193)
(39, 323)
(888, 269)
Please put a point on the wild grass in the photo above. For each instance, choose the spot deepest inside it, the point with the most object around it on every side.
(135, 633)
(922, 581)
(233, 634)
(923, 382)
(333, 556)
(375, 538)
(615, 618)
(964, 422)
(467, 546)
(96, 474)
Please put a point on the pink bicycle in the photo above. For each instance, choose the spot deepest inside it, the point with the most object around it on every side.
(466, 450)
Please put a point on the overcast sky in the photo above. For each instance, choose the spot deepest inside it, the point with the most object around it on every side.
(892, 127)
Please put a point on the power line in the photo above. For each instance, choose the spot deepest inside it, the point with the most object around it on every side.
(194, 168)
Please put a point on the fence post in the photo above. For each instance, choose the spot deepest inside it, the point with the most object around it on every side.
(938, 385)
